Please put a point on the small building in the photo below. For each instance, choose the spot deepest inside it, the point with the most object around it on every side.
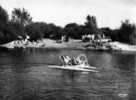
(96, 38)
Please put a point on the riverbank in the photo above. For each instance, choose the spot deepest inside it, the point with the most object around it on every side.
(72, 44)
(45, 43)
(122, 46)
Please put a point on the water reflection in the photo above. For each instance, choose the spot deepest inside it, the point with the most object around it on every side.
(24, 75)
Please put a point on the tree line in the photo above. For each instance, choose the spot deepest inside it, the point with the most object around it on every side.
(20, 24)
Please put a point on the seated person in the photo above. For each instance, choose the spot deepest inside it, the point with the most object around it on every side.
(81, 59)
(67, 60)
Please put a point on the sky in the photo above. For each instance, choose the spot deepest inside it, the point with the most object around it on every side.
(109, 13)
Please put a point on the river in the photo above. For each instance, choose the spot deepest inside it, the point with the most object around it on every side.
(25, 75)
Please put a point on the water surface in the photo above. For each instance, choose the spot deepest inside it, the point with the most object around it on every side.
(25, 75)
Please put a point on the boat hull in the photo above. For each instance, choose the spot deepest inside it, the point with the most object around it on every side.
(75, 68)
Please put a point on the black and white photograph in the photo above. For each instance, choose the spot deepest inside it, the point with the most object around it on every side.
(67, 49)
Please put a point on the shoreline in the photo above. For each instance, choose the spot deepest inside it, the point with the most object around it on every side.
(72, 44)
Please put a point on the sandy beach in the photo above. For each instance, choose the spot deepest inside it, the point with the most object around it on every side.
(72, 44)
(45, 43)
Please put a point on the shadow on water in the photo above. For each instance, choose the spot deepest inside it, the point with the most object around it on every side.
(69, 75)
(24, 75)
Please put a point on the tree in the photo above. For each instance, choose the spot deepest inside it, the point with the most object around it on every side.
(57, 33)
(91, 21)
(133, 36)
(40, 30)
(3, 18)
(73, 30)
(22, 17)
(12, 30)
(3, 22)
(3, 15)
(34, 30)
(51, 31)
(91, 25)
(126, 30)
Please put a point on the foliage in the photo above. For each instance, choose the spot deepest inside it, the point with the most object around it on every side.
(132, 37)
(3, 19)
(109, 33)
(91, 25)
(43, 30)
(21, 16)
(73, 30)
(3, 22)
(52, 31)
(3, 16)
(125, 31)
(34, 31)
(21, 25)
